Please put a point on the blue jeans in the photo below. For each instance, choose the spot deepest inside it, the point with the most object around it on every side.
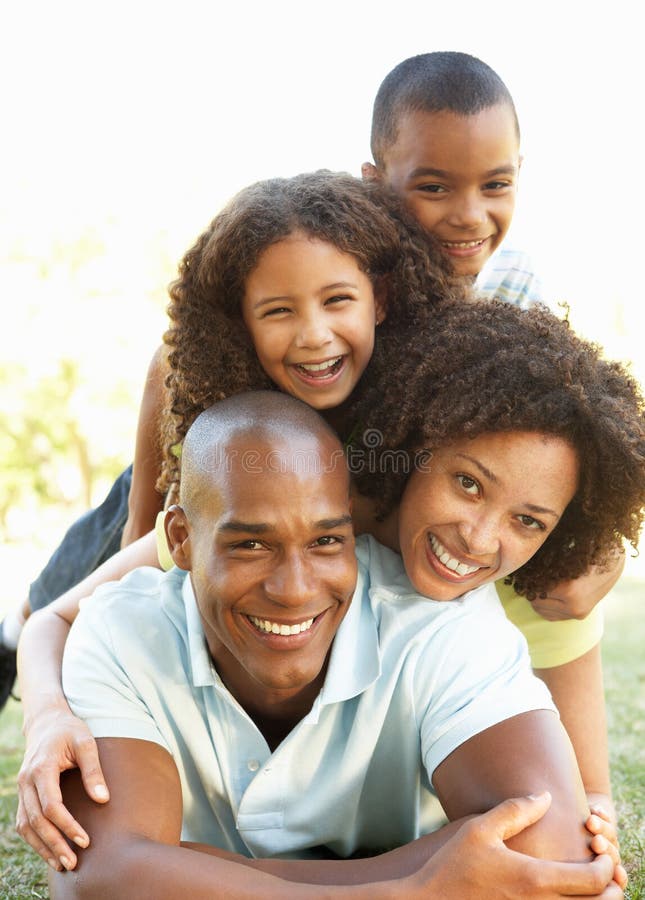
(89, 542)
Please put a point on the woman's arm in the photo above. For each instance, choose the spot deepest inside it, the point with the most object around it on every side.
(56, 739)
(144, 501)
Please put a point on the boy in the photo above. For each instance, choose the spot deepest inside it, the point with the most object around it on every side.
(261, 732)
(446, 138)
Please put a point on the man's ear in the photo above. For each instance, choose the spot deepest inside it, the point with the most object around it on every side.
(370, 172)
(178, 537)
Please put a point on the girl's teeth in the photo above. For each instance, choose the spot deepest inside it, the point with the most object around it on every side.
(278, 628)
(449, 561)
(462, 245)
(320, 367)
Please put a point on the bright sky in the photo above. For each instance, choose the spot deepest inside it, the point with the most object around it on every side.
(154, 113)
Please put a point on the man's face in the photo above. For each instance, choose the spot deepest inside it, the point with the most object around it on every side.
(458, 176)
(273, 567)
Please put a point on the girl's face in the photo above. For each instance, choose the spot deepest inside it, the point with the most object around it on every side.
(311, 313)
(481, 508)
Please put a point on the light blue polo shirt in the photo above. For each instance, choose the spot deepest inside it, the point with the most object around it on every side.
(408, 681)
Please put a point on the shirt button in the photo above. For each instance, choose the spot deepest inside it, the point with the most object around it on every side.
(253, 765)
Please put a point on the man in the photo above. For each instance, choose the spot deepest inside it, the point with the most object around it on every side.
(277, 706)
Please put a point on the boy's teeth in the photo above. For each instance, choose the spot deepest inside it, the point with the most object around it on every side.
(320, 367)
(462, 245)
(449, 561)
(278, 628)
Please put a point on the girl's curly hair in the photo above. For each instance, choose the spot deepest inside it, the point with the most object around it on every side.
(488, 367)
(211, 355)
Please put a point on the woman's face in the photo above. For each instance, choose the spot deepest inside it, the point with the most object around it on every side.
(481, 508)
(311, 313)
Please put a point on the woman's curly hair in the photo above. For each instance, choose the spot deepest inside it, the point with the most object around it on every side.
(211, 355)
(488, 367)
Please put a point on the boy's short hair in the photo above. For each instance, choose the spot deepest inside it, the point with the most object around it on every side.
(432, 82)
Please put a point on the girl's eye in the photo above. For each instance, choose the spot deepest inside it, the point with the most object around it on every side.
(338, 298)
(468, 484)
(530, 522)
(276, 310)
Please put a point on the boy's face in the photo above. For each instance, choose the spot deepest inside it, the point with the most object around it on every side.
(482, 508)
(272, 563)
(458, 176)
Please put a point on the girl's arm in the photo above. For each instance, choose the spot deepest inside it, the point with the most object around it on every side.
(144, 501)
(55, 739)
(577, 690)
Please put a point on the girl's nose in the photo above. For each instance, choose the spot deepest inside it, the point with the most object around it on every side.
(313, 333)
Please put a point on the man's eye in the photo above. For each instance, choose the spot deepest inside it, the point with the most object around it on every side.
(497, 185)
(249, 545)
(328, 540)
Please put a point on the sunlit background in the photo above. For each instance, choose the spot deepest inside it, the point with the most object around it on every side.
(127, 125)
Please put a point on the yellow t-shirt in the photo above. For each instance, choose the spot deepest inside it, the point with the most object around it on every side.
(550, 643)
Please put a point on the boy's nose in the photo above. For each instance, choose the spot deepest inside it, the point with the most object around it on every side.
(467, 211)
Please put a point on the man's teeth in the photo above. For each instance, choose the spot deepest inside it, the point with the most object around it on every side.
(320, 367)
(449, 561)
(462, 245)
(277, 628)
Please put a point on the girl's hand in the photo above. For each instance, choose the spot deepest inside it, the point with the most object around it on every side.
(601, 823)
(56, 742)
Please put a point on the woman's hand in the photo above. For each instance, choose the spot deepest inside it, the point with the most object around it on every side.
(576, 598)
(56, 741)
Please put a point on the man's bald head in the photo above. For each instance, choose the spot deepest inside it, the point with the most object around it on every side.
(259, 431)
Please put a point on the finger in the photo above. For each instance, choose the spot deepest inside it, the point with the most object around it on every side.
(56, 852)
(45, 822)
(512, 816)
(600, 844)
(580, 879)
(87, 758)
(605, 827)
(620, 877)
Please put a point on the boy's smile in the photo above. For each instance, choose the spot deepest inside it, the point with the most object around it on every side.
(482, 508)
(458, 176)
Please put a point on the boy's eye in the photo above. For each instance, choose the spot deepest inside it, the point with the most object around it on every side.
(530, 522)
(431, 188)
(468, 484)
(497, 185)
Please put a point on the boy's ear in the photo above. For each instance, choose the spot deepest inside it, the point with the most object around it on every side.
(370, 172)
(178, 537)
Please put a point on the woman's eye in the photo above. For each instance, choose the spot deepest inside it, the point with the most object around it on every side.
(530, 522)
(468, 484)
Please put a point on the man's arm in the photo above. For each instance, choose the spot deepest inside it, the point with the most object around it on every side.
(135, 852)
(144, 502)
(527, 753)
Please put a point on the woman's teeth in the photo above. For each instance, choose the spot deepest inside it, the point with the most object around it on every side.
(277, 628)
(449, 561)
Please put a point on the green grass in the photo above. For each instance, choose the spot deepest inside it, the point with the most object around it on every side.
(22, 875)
